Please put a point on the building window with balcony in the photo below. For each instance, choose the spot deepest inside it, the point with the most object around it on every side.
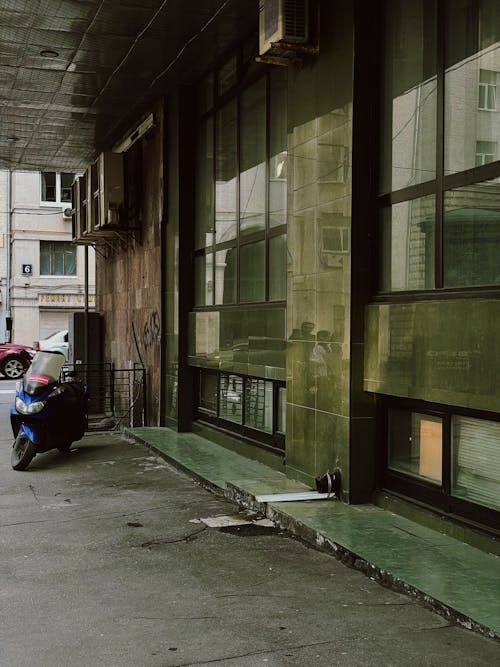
(56, 187)
(57, 258)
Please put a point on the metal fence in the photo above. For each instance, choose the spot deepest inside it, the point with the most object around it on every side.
(117, 395)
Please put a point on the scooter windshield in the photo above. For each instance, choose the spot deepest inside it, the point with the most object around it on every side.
(45, 369)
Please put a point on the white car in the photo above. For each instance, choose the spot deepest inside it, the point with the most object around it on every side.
(57, 342)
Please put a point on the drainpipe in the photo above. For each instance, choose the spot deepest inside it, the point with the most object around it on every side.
(86, 311)
(8, 321)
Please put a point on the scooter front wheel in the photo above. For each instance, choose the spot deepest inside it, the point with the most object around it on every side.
(23, 451)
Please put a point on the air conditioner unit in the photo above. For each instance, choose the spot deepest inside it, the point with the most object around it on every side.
(282, 22)
(111, 190)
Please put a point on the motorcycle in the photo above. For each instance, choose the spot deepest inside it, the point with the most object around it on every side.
(50, 410)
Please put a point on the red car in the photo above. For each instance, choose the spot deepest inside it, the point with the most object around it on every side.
(15, 359)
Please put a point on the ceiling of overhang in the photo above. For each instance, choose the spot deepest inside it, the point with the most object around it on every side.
(74, 72)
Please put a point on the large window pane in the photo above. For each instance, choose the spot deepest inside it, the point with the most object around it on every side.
(253, 272)
(471, 80)
(231, 398)
(66, 187)
(277, 268)
(277, 148)
(416, 444)
(204, 215)
(253, 158)
(207, 399)
(259, 404)
(408, 137)
(408, 234)
(476, 461)
(203, 280)
(472, 235)
(225, 276)
(49, 186)
(226, 174)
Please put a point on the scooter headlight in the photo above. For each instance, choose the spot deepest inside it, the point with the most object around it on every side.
(29, 408)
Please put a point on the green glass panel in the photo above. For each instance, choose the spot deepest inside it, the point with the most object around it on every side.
(277, 268)
(231, 398)
(278, 153)
(407, 244)
(253, 272)
(408, 82)
(253, 158)
(226, 173)
(259, 404)
(472, 235)
(225, 276)
(203, 280)
(204, 213)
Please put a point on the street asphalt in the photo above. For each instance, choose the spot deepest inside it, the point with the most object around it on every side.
(107, 560)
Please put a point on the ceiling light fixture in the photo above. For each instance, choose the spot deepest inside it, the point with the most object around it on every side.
(49, 53)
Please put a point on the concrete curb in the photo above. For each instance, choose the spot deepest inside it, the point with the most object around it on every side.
(323, 543)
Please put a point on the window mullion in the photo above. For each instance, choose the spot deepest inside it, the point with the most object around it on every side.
(440, 67)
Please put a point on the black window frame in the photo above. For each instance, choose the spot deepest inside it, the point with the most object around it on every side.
(245, 78)
(432, 495)
(438, 186)
(274, 441)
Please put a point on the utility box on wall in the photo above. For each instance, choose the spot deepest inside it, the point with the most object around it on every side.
(76, 338)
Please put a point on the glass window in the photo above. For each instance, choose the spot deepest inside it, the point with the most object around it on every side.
(231, 398)
(204, 214)
(49, 186)
(472, 63)
(281, 426)
(486, 152)
(487, 90)
(225, 276)
(227, 75)
(253, 272)
(208, 392)
(408, 146)
(278, 157)
(416, 444)
(259, 404)
(277, 268)
(476, 461)
(253, 158)
(57, 258)
(66, 187)
(472, 235)
(203, 280)
(408, 238)
(226, 174)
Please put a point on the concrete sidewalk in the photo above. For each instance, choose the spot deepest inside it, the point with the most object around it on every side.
(458, 581)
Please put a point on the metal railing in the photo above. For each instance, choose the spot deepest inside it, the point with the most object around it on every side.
(117, 395)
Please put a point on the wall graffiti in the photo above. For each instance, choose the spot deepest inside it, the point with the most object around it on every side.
(151, 335)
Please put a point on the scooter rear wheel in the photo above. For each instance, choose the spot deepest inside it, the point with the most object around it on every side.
(23, 451)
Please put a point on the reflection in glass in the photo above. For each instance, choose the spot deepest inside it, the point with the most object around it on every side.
(203, 280)
(476, 461)
(253, 158)
(231, 398)
(281, 426)
(253, 272)
(208, 392)
(204, 212)
(471, 80)
(472, 235)
(225, 276)
(408, 245)
(227, 75)
(49, 186)
(416, 444)
(206, 94)
(226, 173)
(278, 158)
(66, 187)
(277, 268)
(259, 404)
(408, 141)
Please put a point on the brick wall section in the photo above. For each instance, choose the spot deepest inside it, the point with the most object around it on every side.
(129, 279)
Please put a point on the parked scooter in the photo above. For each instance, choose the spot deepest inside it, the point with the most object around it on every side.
(49, 412)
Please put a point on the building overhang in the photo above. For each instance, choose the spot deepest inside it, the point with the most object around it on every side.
(75, 75)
